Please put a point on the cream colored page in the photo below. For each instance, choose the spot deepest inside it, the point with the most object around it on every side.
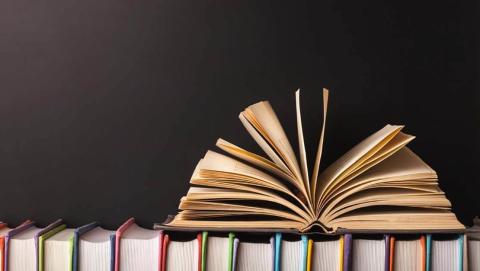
(398, 142)
(431, 202)
(394, 145)
(203, 209)
(211, 210)
(222, 186)
(401, 166)
(301, 141)
(247, 187)
(382, 186)
(254, 159)
(389, 193)
(399, 220)
(221, 163)
(228, 194)
(248, 224)
(264, 145)
(267, 119)
(318, 158)
(403, 163)
(424, 188)
(395, 194)
(354, 155)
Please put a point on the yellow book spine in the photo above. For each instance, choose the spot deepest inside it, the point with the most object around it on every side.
(309, 255)
(340, 264)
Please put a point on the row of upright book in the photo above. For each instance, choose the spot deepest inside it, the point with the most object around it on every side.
(56, 247)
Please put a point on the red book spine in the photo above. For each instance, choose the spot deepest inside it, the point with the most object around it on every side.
(199, 239)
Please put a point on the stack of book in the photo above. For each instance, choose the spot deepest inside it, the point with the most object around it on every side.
(131, 247)
(377, 207)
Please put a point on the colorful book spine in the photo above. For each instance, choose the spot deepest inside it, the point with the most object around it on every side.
(163, 253)
(113, 243)
(342, 250)
(235, 251)
(303, 266)
(461, 248)
(309, 254)
(10, 235)
(48, 228)
(41, 244)
(118, 236)
(204, 250)
(278, 252)
(76, 240)
(231, 244)
(2, 247)
(347, 252)
(388, 256)
(230, 256)
(428, 252)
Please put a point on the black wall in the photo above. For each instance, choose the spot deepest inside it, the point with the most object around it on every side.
(106, 106)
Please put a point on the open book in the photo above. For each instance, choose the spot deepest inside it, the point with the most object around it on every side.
(379, 184)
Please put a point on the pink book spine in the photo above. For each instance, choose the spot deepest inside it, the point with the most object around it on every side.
(118, 236)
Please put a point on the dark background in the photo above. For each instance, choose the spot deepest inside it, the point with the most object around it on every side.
(106, 106)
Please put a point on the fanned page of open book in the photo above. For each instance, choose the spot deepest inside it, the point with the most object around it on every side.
(378, 184)
(264, 119)
(318, 158)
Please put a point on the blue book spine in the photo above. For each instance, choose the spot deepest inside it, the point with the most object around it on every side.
(461, 240)
(386, 238)
(347, 252)
(303, 266)
(75, 250)
(76, 239)
(112, 252)
(278, 250)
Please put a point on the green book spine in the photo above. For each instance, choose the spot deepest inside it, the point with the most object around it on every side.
(231, 239)
(41, 246)
(204, 250)
(70, 252)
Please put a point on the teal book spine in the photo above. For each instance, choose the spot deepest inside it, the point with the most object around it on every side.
(428, 253)
(461, 239)
(278, 250)
(303, 266)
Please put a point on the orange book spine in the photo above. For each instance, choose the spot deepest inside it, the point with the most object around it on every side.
(2, 248)
(392, 250)
(2, 253)
(423, 245)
